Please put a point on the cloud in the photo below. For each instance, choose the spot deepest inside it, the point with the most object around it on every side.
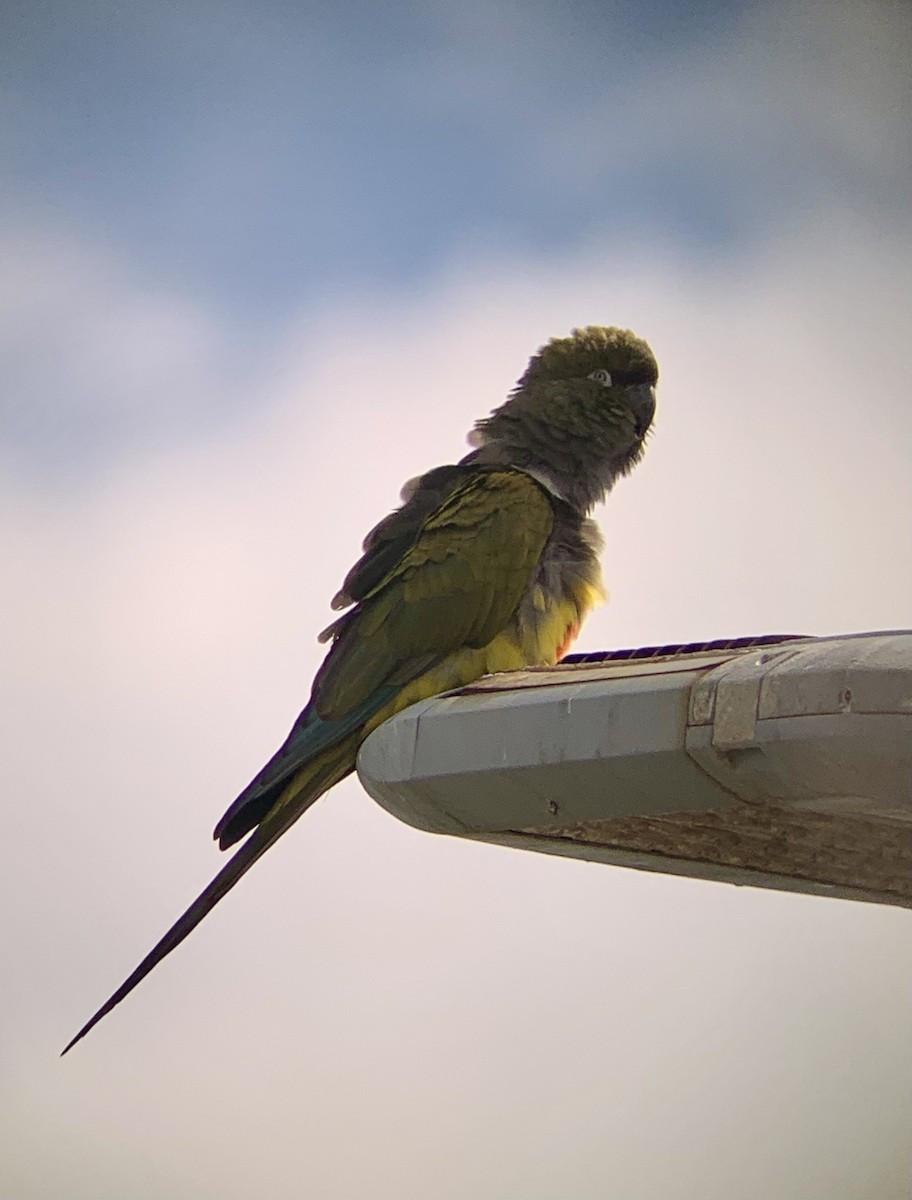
(96, 363)
(260, 157)
(187, 474)
(369, 986)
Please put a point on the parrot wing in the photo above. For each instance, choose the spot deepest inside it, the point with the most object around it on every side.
(456, 584)
(448, 570)
(445, 571)
(389, 541)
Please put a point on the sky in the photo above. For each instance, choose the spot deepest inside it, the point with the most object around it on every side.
(260, 265)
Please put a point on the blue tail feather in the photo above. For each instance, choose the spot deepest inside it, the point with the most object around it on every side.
(309, 736)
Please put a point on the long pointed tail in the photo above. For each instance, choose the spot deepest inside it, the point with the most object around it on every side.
(307, 786)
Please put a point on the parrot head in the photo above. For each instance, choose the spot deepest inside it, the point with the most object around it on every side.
(579, 415)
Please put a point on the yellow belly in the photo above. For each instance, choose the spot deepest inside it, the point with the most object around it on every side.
(540, 640)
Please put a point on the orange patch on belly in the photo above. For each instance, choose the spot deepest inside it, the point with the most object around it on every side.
(569, 638)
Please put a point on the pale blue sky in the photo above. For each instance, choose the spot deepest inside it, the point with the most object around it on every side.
(259, 160)
(259, 153)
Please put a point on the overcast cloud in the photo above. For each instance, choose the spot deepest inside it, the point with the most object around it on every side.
(196, 433)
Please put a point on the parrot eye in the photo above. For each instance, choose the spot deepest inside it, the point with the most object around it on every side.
(601, 376)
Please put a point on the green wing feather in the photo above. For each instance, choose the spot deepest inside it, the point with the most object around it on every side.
(458, 574)
(457, 584)
(388, 541)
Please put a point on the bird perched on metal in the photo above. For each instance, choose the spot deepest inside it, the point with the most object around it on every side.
(490, 564)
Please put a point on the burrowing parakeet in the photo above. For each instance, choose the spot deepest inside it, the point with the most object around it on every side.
(490, 564)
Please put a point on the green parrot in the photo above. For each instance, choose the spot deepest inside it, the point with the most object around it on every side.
(490, 565)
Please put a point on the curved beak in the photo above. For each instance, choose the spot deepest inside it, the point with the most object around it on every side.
(642, 400)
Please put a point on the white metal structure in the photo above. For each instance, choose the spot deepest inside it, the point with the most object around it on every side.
(778, 762)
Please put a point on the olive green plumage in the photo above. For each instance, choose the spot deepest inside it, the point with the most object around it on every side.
(489, 564)
(583, 435)
(457, 584)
